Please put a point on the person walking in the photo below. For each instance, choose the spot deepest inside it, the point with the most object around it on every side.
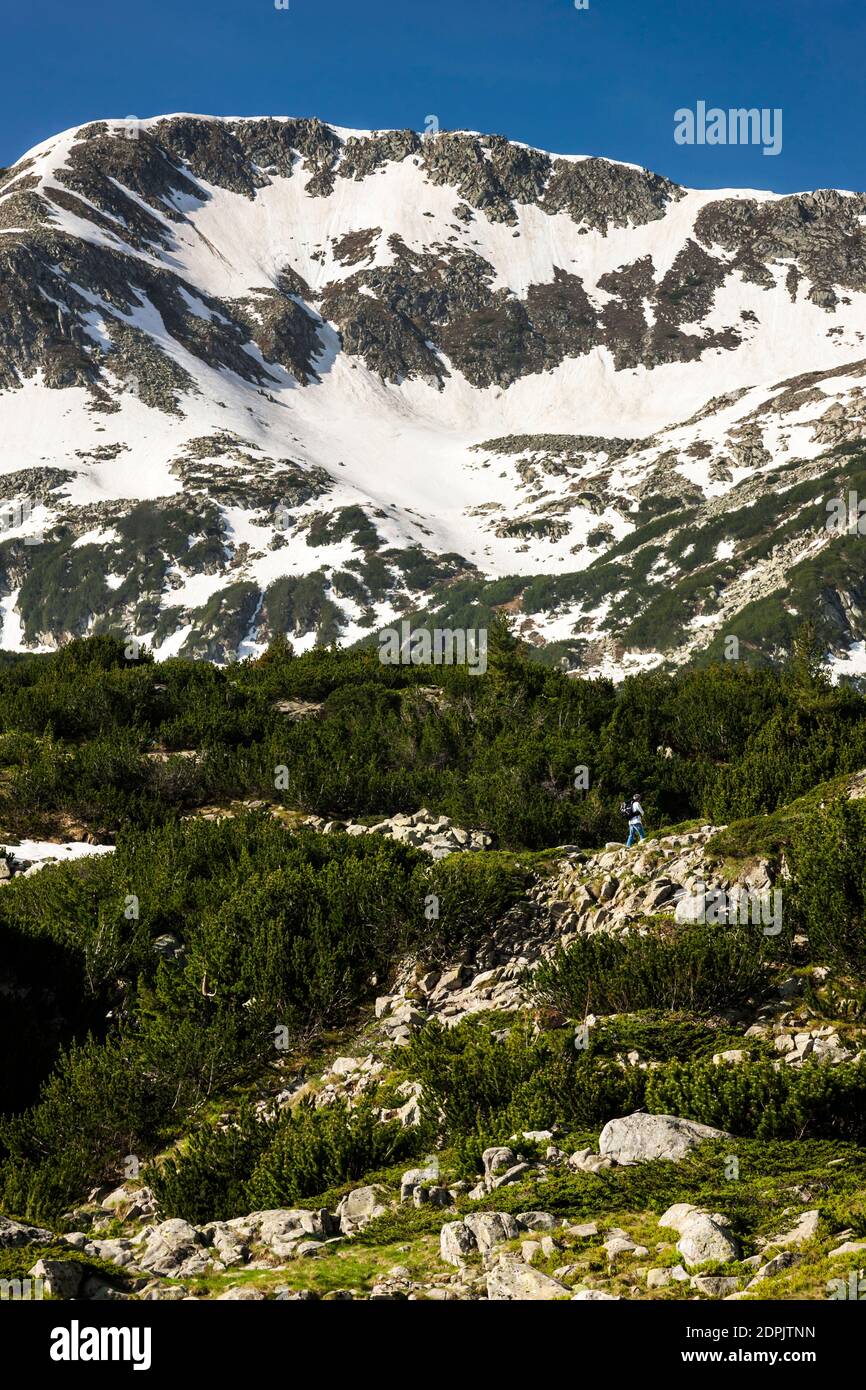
(635, 821)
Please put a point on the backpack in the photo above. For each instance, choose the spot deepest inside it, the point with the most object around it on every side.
(625, 808)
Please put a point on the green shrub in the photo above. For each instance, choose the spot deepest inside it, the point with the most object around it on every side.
(764, 1099)
(471, 893)
(699, 969)
(313, 1150)
(828, 860)
(487, 1088)
(207, 1181)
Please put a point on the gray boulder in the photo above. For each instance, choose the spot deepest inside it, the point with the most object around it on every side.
(456, 1242)
(62, 1278)
(706, 1237)
(510, 1280)
(174, 1248)
(14, 1234)
(491, 1228)
(360, 1207)
(640, 1138)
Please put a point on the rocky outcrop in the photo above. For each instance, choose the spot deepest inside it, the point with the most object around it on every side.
(438, 836)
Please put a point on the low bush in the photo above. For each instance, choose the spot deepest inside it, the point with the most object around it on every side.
(699, 969)
(828, 861)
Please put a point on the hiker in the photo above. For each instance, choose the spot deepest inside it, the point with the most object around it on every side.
(634, 811)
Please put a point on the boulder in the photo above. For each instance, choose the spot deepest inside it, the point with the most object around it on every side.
(498, 1160)
(676, 1216)
(510, 1280)
(537, 1220)
(14, 1234)
(174, 1248)
(805, 1228)
(491, 1228)
(456, 1242)
(62, 1278)
(784, 1260)
(715, 1285)
(640, 1138)
(360, 1207)
(416, 1177)
(705, 1238)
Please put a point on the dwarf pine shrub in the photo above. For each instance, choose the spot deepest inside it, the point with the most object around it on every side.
(698, 970)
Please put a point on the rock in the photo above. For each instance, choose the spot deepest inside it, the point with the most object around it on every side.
(360, 1207)
(174, 1248)
(432, 1196)
(344, 1066)
(848, 1247)
(530, 1250)
(618, 1245)
(715, 1285)
(595, 1296)
(241, 1293)
(509, 1176)
(497, 1160)
(168, 946)
(409, 1114)
(14, 1234)
(414, 1178)
(119, 1252)
(658, 1278)
(585, 1161)
(537, 1220)
(659, 893)
(96, 1290)
(452, 980)
(509, 1280)
(806, 1228)
(62, 1278)
(703, 1239)
(676, 1216)
(640, 1138)
(784, 1260)
(276, 1228)
(491, 1228)
(691, 908)
(584, 1231)
(456, 1242)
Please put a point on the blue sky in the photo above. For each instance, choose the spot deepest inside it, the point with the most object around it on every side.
(605, 81)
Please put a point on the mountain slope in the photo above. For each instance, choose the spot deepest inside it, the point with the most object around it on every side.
(266, 375)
